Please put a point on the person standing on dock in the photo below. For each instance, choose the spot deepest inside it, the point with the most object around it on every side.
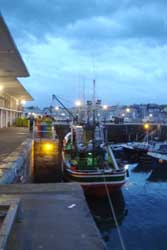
(38, 125)
(31, 123)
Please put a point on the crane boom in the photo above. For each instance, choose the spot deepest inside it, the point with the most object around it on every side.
(68, 111)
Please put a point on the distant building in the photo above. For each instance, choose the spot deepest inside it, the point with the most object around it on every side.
(12, 93)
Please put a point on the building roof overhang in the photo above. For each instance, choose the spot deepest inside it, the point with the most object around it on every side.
(13, 88)
(11, 63)
(11, 66)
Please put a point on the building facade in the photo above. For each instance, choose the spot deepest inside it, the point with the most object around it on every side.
(12, 93)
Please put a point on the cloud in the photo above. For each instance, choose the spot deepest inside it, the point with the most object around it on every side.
(121, 71)
(67, 43)
(86, 19)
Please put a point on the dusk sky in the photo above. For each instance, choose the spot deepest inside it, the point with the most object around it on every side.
(66, 44)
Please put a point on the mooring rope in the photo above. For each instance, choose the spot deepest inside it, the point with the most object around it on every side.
(114, 216)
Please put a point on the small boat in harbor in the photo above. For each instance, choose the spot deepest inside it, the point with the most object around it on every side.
(91, 162)
(159, 159)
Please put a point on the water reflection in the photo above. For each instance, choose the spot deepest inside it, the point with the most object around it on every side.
(102, 212)
(159, 172)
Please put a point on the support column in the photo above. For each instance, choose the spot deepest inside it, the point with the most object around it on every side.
(3, 118)
(6, 121)
(1, 114)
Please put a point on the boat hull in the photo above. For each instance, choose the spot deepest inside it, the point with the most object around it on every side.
(97, 185)
(100, 190)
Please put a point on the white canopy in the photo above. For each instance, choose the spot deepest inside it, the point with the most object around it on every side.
(11, 66)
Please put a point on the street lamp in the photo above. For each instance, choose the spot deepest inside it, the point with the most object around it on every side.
(128, 110)
(57, 108)
(105, 107)
(78, 103)
(147, 127)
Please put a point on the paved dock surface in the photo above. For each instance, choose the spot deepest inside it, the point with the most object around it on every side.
(11, 138)
(52, 216)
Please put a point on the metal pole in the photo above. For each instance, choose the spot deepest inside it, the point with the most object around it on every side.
(94, 121)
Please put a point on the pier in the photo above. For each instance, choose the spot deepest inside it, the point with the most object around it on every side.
(49, 216)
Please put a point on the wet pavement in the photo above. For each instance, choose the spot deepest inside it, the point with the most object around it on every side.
(11, 138)
(52, 216)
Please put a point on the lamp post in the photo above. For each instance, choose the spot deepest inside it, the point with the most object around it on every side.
(78, 104)
(147, 127)
(105, 108)
(128, 110)
(57, 112)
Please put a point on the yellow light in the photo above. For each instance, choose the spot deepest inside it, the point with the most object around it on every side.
(1, 87)
(48, 147)
(128, 110)
(146, 126)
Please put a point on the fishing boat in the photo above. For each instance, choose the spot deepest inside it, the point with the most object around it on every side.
(87, 157)
(91, 162)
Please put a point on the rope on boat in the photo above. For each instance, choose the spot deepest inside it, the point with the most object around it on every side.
(114, 216)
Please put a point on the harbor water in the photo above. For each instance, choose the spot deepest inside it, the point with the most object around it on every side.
(140, 208)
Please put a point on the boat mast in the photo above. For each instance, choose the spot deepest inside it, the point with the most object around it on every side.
(94, 122)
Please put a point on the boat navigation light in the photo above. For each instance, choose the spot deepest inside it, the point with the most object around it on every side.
(126, 166)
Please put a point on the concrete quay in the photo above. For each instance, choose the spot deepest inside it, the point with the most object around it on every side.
(16, 155)
(10, 139)
(51, 216)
